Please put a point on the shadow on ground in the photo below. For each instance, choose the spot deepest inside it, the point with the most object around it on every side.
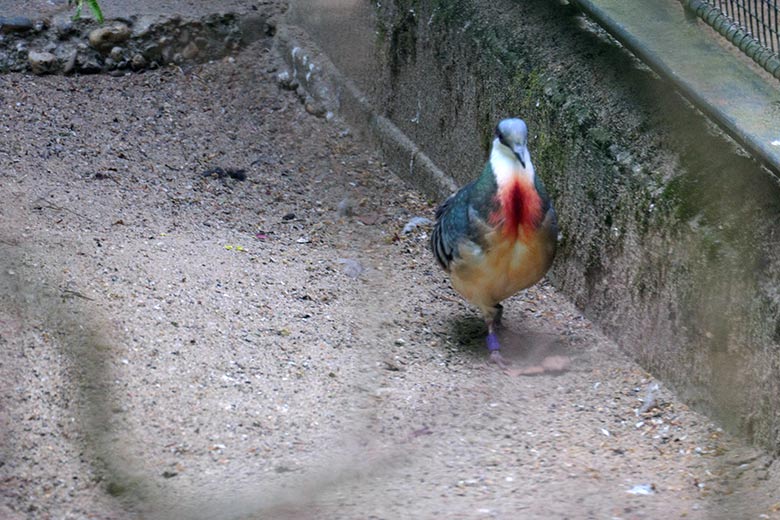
(529, 352)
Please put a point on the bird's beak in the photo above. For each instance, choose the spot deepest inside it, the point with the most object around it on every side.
(520, 151)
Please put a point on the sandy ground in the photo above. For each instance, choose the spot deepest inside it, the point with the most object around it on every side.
(177, 345)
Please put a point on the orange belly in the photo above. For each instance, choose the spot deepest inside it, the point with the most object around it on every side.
(506, 266)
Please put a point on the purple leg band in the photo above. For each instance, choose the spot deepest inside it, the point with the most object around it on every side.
(492, 342)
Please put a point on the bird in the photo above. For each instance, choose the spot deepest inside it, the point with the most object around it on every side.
(497, 235)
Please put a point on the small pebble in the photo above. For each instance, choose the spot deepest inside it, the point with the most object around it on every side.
(642, 489)
(414, 224)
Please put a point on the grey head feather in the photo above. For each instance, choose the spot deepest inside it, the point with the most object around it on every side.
(513, 133)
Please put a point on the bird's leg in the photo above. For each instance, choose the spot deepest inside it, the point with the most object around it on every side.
(497, 317)
(494, 347)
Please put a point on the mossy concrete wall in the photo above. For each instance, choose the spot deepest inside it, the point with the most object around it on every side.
(671, 240)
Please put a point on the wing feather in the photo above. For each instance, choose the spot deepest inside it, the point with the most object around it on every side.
(460, 220)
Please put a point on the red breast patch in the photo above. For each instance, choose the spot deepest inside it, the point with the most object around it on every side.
(519, 206)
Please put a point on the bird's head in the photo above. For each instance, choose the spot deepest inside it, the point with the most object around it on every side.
(512, 140)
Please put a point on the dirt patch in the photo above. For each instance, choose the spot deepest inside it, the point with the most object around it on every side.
(278, 344)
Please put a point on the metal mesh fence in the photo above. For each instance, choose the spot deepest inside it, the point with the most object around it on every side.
(751, 25)
(759, 18)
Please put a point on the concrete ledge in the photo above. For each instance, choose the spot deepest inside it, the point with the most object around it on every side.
(329, 88)
(741, 101)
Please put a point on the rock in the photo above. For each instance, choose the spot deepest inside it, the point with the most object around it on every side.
(143, 26)
(167, 55)
(233, 41)
(70, 62)
(190, 51)
(642, 489)
(88, 63)
(42, 62)
(138, 62)
(314, 107)
(287, 81)
(117, 53)
(414, 223)
(64, 28)
(152, 52)
(11, 24)
(105, 37)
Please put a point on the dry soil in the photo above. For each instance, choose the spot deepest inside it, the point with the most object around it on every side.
(183, 345)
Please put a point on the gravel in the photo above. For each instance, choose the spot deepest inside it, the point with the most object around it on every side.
(178, 344)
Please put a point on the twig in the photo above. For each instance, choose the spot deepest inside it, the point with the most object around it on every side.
(43, 203)
(70, 293)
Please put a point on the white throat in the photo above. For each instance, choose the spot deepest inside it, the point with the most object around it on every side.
(506, 166)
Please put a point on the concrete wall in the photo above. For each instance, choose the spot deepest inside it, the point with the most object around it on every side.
(671, 238)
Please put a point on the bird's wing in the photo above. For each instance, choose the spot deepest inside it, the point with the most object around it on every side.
(548, 212)
(461, 221)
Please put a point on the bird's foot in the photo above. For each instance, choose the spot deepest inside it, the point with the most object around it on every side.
(498, 359)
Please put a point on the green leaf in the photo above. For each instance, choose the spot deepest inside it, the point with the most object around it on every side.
(77, 14)
(95, 8)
